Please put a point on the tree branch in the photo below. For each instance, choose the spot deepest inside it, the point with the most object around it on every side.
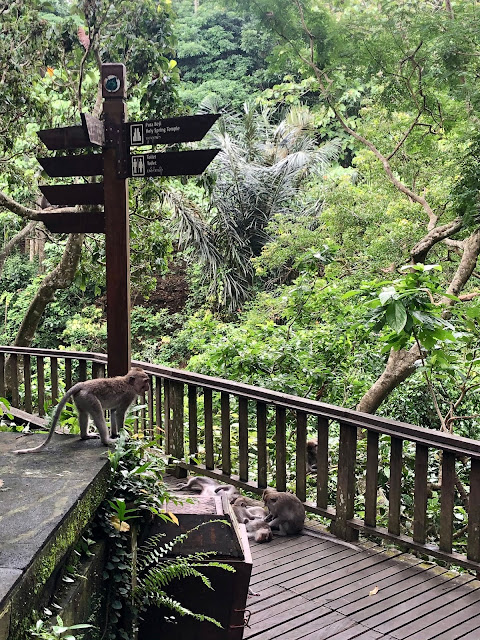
(435, 235)
(26, 212)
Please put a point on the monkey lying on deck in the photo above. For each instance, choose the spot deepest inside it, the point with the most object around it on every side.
(209, 487)
(92, 397)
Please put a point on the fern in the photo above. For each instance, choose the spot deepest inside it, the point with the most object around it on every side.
(156, 572)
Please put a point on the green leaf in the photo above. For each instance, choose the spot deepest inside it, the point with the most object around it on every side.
(396, 316)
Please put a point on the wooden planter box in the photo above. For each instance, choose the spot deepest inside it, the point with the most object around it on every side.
(226, 603)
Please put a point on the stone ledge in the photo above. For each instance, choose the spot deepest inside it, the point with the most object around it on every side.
(47, 499)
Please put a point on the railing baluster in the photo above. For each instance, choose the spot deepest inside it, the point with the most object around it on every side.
(98, 370)
(420, 505)
(177, 450)
(27, 377)
(2, 375)
(371, 487)
(322, 462)
(158, 407)
(473, 542)
(225, 420)
(262, 444)
(150, 409)
(82, 370)
(281, 448)
(14, 370)
(192, 422)
(447, 501)
(41, 385)
(301, 456)
(346, 482)
(208, 412)
(167, 420)
(243, 438)
(54, 379)
(68, 373)
(143, 402)
(395, 493)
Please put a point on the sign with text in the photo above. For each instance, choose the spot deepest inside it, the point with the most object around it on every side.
(173, 163)
(169, 130)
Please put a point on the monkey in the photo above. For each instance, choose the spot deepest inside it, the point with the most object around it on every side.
(286, 511)
(259, 530)
(250, 512)
(249, 502)
(229, 490)
(242, 513)
(312, 456)
(206, 486)
(91, 397)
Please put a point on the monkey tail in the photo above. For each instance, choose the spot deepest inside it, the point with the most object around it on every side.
(55, 418)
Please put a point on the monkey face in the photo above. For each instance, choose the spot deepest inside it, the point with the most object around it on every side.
(139, 380)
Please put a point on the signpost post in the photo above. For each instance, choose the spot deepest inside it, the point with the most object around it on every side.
(117, 230)
(116, 164)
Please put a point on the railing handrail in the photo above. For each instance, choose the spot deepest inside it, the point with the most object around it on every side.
(419, 435)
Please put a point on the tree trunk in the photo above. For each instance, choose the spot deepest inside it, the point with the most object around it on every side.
(12, 243)
(60, 278)
(400, 365)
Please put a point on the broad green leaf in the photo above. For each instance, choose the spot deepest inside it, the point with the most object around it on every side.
(396, 316)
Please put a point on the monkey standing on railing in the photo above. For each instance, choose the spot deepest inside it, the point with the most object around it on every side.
(93, 397)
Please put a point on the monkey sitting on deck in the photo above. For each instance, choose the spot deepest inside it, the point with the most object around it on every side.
(92, 397)
(286, 512)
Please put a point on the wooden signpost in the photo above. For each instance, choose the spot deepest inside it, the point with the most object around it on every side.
(114, 136)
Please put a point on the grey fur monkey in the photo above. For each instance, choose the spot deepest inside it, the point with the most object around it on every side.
(206, 486)
(286, 512)
(251, 511)
(242, 514)
(229, 490)
(92, 397)
(259, 530)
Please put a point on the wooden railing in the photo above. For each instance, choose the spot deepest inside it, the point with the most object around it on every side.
(253, 437)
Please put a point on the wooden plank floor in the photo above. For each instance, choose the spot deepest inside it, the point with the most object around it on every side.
(312, 587)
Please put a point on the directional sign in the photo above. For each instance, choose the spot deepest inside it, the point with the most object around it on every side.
(73, 222)
(85, 165)
(72, 194)
(173, 163)
(90, 133)
(169, 130)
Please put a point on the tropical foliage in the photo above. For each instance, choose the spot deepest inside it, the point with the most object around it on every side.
(286, 263)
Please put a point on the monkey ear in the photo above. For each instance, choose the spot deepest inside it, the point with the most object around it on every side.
(131, 380)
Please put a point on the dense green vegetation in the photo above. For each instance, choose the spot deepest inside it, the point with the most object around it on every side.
(350, 145)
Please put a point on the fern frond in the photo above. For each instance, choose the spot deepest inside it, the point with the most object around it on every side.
(174, 605)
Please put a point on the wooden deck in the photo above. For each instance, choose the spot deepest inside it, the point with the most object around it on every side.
(311, 587)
